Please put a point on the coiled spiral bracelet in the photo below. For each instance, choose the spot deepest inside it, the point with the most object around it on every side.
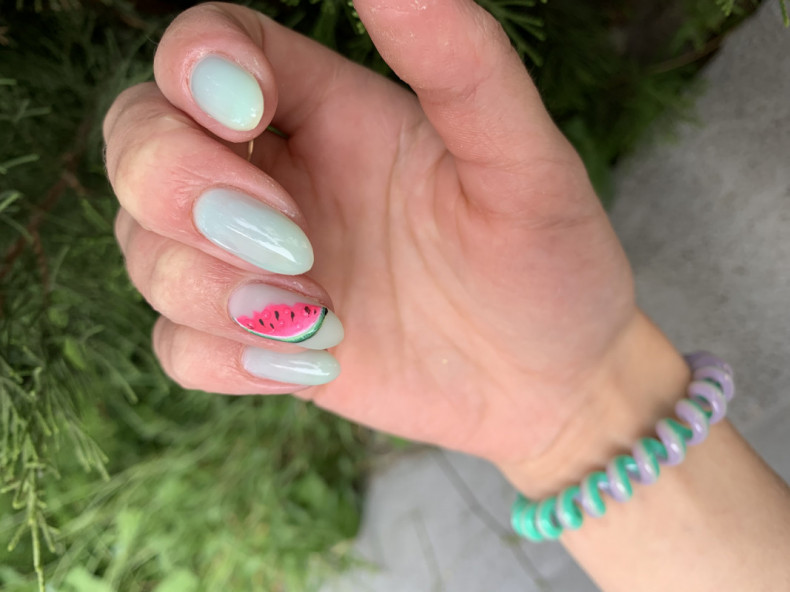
(710, 390)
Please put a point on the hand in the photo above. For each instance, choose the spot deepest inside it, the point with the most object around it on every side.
(484, 295)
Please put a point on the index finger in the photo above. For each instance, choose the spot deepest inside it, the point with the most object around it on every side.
(210, 53)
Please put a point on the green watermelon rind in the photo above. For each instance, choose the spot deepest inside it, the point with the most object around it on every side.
(299, 337)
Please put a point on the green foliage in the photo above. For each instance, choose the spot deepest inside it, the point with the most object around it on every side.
(226, 493)
(112, 477)
(726, 6)
(148, 485)
(632, 64)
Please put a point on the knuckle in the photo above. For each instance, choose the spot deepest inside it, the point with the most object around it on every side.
(129, 240)
(169, 278)
(137, 259)
(127, 232)
(183, 363)
(165, 336)
(129, 166)
(122, 102)
(162, 342)
(160, 159)
(122, 228)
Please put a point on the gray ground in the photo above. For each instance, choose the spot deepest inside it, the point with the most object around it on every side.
(706, 223)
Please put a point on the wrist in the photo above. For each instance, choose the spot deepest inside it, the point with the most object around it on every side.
(637, 383)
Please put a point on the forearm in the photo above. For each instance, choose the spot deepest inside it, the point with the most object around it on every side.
(718, 521)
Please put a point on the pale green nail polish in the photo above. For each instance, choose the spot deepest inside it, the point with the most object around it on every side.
(308, 368)
(253, 231)
(227, 93)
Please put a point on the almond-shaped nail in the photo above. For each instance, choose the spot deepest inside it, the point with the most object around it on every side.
(307, 368)
(253, 231)
(227, 93)
(280, 315)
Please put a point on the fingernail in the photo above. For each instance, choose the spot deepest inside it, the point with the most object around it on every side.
(253, 231)
(308, 368)
(280, 315)
(227, 93)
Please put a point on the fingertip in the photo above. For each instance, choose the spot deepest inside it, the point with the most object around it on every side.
(210, 64)
(128, 96)
(331, 334)
(227, 93)
(308, 368)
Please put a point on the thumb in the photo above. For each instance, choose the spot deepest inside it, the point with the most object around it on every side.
(475, 90)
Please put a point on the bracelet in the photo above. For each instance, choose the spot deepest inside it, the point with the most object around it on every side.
(712, 387)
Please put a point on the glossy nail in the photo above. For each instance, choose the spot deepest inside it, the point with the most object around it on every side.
(308, 368)
(253, 231)
(280, 315)
(227, 93)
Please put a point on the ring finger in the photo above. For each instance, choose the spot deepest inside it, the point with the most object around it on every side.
(257, 309)
(198, 360)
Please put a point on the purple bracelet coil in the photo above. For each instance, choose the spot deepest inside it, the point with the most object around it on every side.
(711, 388)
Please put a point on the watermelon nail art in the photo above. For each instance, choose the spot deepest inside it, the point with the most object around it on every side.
(285, 323)
(280, 315)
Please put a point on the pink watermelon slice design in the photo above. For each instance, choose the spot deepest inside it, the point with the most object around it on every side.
(285, 322)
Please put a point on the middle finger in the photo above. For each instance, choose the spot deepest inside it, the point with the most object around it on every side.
(194, 289)
(178, 181)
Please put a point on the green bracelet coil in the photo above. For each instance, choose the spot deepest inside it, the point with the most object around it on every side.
(711, 388)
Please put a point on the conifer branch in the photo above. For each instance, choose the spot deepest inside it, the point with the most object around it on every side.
(688, 58)
(68, 179)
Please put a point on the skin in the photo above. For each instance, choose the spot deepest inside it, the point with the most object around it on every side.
(487, 303)
(717, 522)
(478, 279)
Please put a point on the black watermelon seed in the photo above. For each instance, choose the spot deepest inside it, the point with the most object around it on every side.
(271, 325)
(292, 315)
(307, 309)
(261, 322)
(277, 314)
